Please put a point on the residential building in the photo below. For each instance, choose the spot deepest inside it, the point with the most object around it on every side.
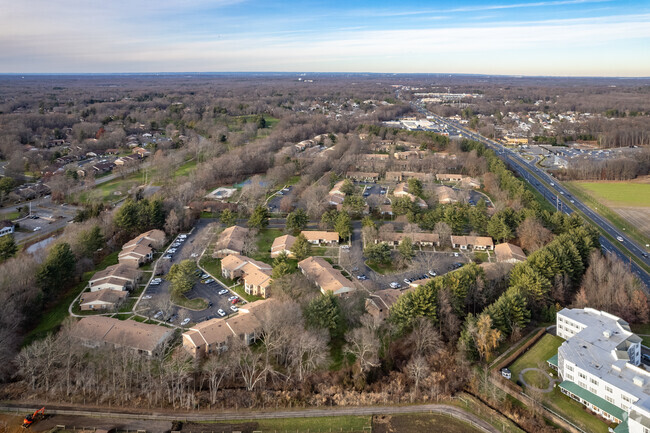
(136, 255)
(402, 190)
(448, 177)
(6, 227)
(255, 275)
(116, 277)
(410, 154)
(153, 239)
(509, 253)
(216, 335)
(446, 195)
(363, 176)
(418, 239)
(323, 274)
(600, 367)
(282, 244)
(480, 243)
(378, 304)
(96, 331)
(319, 237)
(231, 241)
(105, 299)
(515, 140)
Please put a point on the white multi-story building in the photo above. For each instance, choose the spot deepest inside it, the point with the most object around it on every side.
(600, 365)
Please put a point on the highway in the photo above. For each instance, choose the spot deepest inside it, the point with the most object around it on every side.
(554, 192)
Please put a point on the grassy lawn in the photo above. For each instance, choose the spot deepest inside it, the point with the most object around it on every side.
(642, 330)
(197, 304)
(9, 215)
(265, 239)
(381, 268)
(213, 266)
(618, 193)
(575, 412)
(545, 348)
(185, 168)
(472, 405)
(416, 423)
(536, 379)
(313, 425)
(591, 198)
(57, 311)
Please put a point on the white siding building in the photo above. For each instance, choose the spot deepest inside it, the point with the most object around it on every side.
(600, 365)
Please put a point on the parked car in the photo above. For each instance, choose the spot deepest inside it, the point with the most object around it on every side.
(223, 291)
(167, 257)
(407, 280)
(36, 229)
(234, 301)
(456, 255)
(204, 276)
(194, 255)
(185, 321)
(158, 315)
(432, 273)
(172, 318)
(221, 312)
(147, 297)
(234, 309)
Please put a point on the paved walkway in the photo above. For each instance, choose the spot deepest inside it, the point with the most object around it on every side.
(551, 381)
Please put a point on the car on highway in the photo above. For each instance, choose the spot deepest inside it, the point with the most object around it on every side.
(221, 312)
(185, 321)
(619, 238)
(234, 309)
(223, 291)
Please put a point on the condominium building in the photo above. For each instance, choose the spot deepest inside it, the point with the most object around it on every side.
(600, 366)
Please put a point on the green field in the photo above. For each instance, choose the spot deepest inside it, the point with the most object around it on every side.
(313, 425)
(545, 348)
(618, 193)
(185, 168)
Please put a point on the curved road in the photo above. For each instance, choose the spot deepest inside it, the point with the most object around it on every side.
(307, 413)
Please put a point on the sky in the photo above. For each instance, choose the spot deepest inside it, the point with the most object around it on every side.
(493, 37)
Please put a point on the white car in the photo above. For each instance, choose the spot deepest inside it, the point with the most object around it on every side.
(37, 229)
(456, 254)
(158, 315)
(223, 291)
(234, 309)
(221, 312)
(185, 321)
(147, 297)
(194, 255)
(619, 238)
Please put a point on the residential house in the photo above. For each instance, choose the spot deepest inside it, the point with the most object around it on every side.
(402, 190)
(124, 160)
(323, 274)
(446, 195)
(256, 275)
(480, 243)
(153, 239)
(141, 152)
(6, 227)
(418, 239)
(231, 241)
(448, 177)
(282, 244)
(363, 176)
(216, 335)
(379, 303)
(509, 253)
(136, 255)
(319, 237)
(410, 154)
(116, 277)
(105, 299)
(96, 331)
(600, 367)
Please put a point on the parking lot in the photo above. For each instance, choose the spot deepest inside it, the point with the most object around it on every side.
(274, 202)
(157, 295)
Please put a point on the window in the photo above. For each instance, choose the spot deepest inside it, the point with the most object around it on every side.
(569, 377)
(609, 399)
(594, 381)
(626, 398)
(582, 376)
(608, 388)
(594, 390)
(569, 367)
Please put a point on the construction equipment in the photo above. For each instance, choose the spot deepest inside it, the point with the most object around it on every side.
(35, 417)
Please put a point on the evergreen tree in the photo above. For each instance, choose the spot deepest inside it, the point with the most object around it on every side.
(259, 219)
(8, 247)
(297, 220)
(421, 302)
(415, 187)
(57, 270)
(405, 249)
(301, 248)
(378, 253)
(91, 240)
(343, 225)
(324, 312)
(228, 217)
(181, 276)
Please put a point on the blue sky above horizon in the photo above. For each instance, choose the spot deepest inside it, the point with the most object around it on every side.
(545, 37)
